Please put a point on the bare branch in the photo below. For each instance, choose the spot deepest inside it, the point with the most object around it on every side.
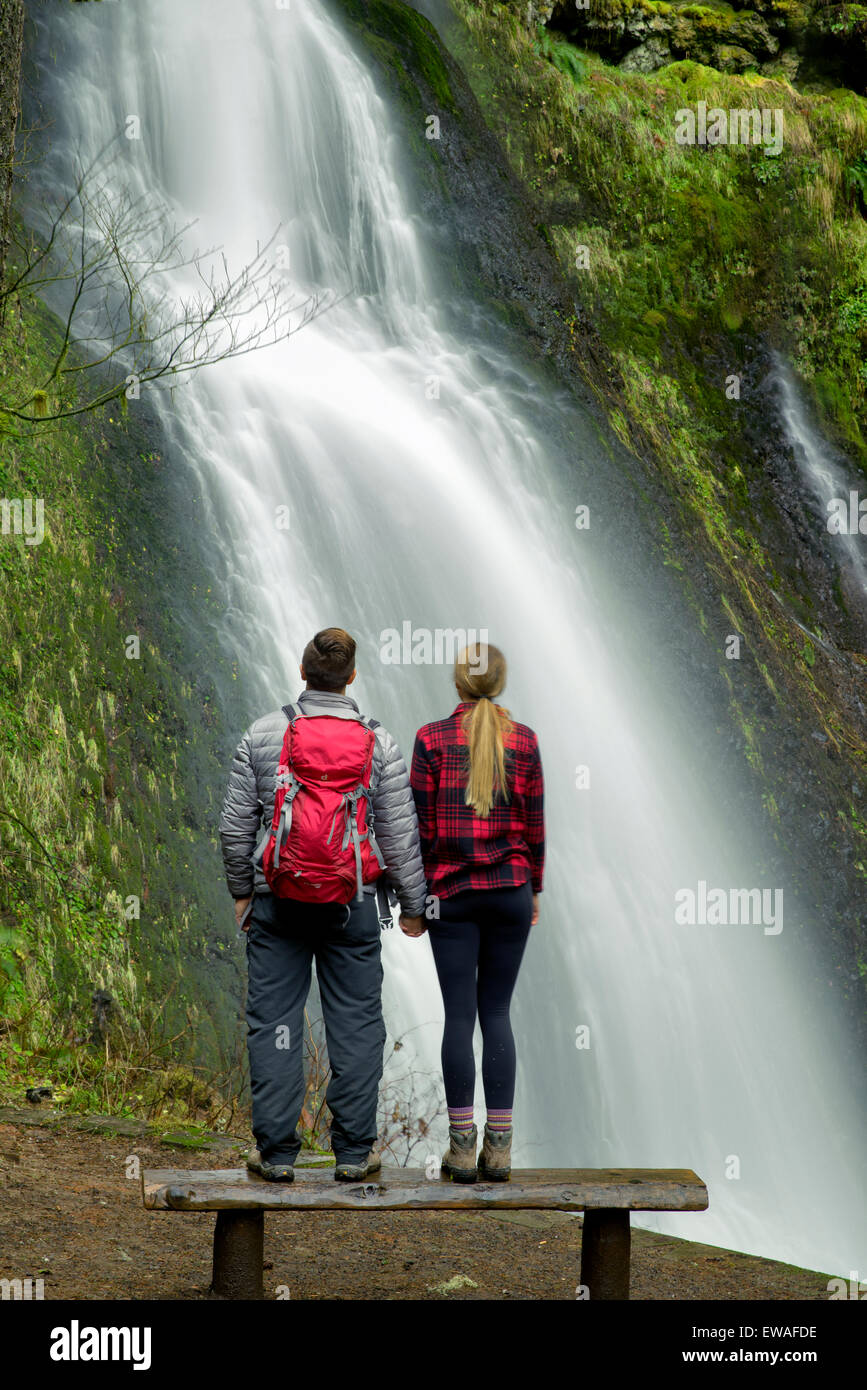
(116, 264)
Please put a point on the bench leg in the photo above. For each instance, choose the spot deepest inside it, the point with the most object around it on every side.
(239, 1238)
(605, 1244)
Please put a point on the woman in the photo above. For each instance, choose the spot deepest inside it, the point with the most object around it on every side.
(477, 781)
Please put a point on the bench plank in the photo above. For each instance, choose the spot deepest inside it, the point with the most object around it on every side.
(408, 1189)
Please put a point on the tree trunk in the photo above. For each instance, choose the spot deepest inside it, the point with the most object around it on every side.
(11, 45)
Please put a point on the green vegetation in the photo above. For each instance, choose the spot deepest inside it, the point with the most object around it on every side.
(109, 770)
(686, 241)
(388, 34)
(564, 56)
(679, 253)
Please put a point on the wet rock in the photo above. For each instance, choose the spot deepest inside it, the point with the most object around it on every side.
(648, 56)
(786, 65)
(751, 32)
(730, 58)
(37, 1094)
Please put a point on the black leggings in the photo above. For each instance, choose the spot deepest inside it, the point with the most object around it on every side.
(478, 943)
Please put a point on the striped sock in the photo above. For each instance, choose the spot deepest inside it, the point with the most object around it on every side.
(499, 1121)
(461, 1119)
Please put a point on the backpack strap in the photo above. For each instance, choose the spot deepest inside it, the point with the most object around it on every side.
(284, 825)
(259, 851)
(383, 903)
(286, 815)
(373, 724)
(292, 785)
(368, 834)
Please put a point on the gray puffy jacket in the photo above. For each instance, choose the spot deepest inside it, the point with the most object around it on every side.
(249, 803)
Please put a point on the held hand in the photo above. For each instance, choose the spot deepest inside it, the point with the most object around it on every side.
(241, 905)
(535, 917)
(412, 926)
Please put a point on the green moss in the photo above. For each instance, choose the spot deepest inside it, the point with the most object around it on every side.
(732, 316)
(727, 236)
(714, 21)
(771, 807)
(179, 1139)
(670, 556)
(394, 32)
(111, 769)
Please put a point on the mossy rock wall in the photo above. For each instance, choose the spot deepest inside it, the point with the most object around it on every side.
(112, 764)
(802, 41)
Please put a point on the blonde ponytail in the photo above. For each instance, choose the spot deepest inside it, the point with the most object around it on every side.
(480, 674)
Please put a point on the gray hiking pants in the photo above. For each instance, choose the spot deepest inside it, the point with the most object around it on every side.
(283, 939)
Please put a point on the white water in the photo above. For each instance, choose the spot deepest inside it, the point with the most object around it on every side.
(706, 1042)
(823, 471)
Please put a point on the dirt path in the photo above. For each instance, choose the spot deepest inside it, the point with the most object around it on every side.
(69, 1215)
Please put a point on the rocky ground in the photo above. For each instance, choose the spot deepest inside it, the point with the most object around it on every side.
(70, 1216)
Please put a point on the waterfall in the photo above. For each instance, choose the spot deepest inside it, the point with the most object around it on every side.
(708, 1045)
(825, 475)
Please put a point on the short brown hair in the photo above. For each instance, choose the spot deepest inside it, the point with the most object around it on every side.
(329, 659)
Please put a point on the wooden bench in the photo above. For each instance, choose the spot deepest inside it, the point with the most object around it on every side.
(605, 1195)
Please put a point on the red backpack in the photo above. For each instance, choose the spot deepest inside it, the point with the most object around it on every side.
(321, 847)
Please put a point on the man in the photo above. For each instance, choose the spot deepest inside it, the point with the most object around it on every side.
(285, 935)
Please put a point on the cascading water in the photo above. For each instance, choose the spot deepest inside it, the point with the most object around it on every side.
(454, 511)
(825, 476)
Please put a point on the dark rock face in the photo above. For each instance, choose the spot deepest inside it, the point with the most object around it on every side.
(653, 53)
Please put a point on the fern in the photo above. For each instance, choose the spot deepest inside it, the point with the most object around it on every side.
(562, 54)
(856, 180)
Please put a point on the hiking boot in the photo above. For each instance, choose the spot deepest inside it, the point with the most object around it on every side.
(273, 1172)
(459, 1160)
(495, 1160)
(357, 1172)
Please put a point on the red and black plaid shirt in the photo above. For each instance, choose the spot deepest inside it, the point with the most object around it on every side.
(461, 850)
